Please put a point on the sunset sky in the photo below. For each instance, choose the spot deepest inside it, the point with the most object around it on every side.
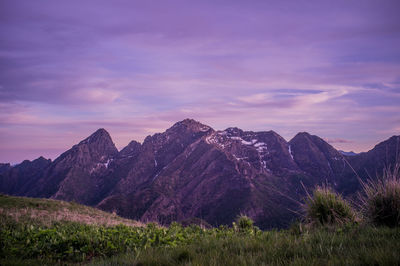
(67, 68)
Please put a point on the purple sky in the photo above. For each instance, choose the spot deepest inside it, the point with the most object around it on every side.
(331, 68)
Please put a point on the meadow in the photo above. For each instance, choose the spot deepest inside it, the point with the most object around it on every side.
(36, 240)
(50, 232)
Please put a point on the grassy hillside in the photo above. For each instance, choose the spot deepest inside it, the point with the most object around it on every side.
(47, 212)
(48, 232)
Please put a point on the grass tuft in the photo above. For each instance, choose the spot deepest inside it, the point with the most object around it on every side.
(244, 222)
(380, 198)
(325, 207)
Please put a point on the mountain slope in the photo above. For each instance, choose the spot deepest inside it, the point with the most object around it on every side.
(47, 212)
(370, 164)
(317, 158)
(76, 174)
(20, 179)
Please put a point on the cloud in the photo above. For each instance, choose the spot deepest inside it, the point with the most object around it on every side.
(97, 95)
(328, 68)
(333, 141)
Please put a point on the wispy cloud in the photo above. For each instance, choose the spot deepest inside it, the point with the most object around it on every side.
(334, 141)
(331, 68)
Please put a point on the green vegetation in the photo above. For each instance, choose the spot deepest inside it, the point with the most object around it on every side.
(245, 225)
(380, 200)
(326, 207)
(152, 245)
(26, 238)
(352, 246)
(75, 242)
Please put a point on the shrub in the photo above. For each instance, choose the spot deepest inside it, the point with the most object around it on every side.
(195, 221)
(325, 207)
(380, 198)
(244, 222)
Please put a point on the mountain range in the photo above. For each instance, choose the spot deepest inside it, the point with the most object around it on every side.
(192, 171)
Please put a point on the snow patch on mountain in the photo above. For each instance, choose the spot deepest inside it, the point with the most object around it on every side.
(204, 128)
(107, 163)
(290, 152)
(214, 139)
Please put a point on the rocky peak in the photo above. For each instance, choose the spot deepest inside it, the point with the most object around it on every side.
(41, 162)
(316, 157)
(97, 148)
(131, 149)
(304, 141)
(189, 125)
(270, 137)
(250, 137)
(393, 142)
(78, 173)
(23, 163)
(180, 134)
(233, 132)
(31, 167)
(101, 135)
(265, 151)
(301, 135)
(381, 155)
(101, 142)
(370, 164)
(308, 141)
(41, 159)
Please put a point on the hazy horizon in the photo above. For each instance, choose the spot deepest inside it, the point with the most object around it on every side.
(135, 68)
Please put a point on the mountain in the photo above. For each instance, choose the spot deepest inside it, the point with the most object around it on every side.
(19, 180)
(4, 167)
(193, 171)
(79, 172)
(347, 153)
(317, 158)
(370, 164)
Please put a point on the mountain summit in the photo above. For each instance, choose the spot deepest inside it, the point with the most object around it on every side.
(192, 170)
(99, 136)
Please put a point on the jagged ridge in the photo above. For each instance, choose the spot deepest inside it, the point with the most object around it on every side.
(191, 170)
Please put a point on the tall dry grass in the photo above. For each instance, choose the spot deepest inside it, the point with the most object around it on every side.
(326, 207)
(380, 198)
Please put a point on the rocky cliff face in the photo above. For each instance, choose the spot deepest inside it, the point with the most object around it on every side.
(191, 170)
(78, 173)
